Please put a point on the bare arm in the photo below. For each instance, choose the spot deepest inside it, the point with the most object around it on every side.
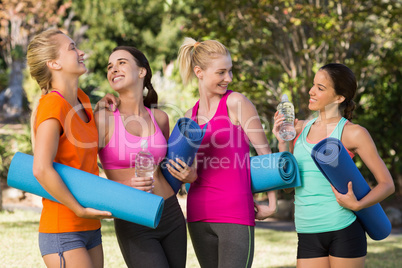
(102, 124)
(242, 111)
(278, 121)
(357, 139)
(46, 145)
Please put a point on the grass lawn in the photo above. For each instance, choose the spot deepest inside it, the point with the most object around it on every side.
(19, 246)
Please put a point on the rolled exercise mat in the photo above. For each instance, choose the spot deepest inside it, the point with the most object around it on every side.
(92, 191)
(183, 143)
(333, 160)
(273, 172)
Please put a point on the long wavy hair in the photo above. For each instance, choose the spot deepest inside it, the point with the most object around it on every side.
(151, 99)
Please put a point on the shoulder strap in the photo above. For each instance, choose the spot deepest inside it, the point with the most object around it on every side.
(222, 107)
(156, 126)
(195, 111)
(337, 133)
(306, 129)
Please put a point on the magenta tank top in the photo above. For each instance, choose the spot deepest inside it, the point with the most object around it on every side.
(122, 147)
(222, 191)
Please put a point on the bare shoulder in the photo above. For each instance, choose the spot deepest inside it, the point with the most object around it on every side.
(159, 114)
(355, 136)
(235, 97)
(354, 131)
(238, 104)
(161, 118)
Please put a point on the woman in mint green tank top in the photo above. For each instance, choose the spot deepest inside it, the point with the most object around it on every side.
(328, 232)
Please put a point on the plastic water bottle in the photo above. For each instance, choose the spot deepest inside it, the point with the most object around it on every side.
(144, 162)
(287, 130)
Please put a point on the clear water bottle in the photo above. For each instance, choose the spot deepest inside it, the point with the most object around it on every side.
(287, 130)
(144, 162)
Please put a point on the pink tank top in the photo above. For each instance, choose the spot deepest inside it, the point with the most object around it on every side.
(122, 147)
(222, 191)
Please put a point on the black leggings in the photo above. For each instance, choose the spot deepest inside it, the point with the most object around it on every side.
(223, 245)
(165, 246)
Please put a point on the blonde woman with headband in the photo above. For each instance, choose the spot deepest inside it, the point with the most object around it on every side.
(221, 211)
(69, 234)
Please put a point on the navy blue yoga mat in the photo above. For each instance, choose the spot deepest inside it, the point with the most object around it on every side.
(92, 191)
(183, 143)
(273, 172)
(337, 166)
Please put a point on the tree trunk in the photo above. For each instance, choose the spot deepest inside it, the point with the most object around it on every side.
(1, 198)
(11, 99)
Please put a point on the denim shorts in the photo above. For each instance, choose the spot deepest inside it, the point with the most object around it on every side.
(50, 243)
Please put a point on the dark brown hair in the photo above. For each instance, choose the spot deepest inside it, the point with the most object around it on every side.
(151, 99)
(345, 84)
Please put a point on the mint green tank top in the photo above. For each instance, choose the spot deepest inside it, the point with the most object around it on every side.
(316, 209)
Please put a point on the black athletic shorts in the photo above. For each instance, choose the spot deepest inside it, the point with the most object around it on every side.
(349, 242)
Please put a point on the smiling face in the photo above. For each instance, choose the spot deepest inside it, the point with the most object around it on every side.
(70, 59)
(123, 72)
(322, 94)
(217, 76)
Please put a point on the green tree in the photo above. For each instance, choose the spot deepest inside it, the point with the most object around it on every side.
(19, 21)
(278, 45)
(380, 99)
(151, 26)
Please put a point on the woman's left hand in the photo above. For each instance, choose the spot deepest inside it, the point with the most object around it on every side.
(109, 101)
(263, 211)
(183, 172)
(347, 200)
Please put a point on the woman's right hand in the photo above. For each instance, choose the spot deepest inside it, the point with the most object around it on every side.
(181, 171)
(145, 184)
(278, 121)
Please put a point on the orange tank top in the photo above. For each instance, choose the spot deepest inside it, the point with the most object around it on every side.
(78, 147)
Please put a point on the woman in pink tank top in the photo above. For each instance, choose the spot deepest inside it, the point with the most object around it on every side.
(121, 134)
(220, 208)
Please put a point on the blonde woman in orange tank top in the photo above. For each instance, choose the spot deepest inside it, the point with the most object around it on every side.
(69, 234)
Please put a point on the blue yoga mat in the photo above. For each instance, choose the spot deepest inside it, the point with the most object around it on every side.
(183, 143)
(337, 166)
(92, 191)
(273, 172)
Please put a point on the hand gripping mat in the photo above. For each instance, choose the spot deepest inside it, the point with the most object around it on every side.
(92, 191)
(183, 143)
(333, 160)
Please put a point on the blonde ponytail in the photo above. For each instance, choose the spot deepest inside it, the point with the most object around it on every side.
(184, 60)
(42, 49)
(193, 53)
